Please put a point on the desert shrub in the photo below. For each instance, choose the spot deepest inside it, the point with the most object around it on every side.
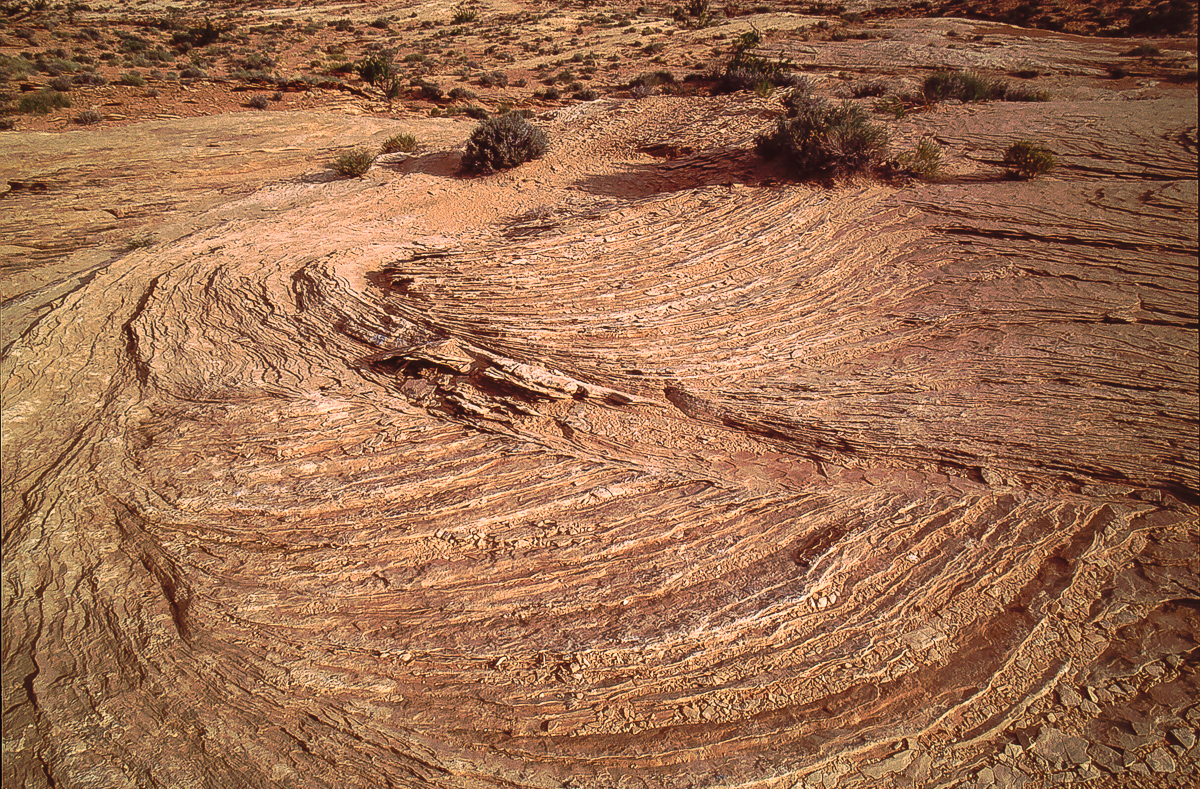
(1026, 73)
(1026, 159)
(463, 15)
(462, 93)
(652, 80)
(88, 78)
(202, 36)
(502, 143)
(354, 162)
(549, 94)
(43, 102)
(925, 161)
(14, 68)
(277, 96)
(7, 123)
(747, 70)
(191, 72)
(818, 138)
(374, 69)
(62, 83)
(132, 79)
(694, 13)
(88, 117)
(402, 142)
(382, 23)
(430, 91)
(891, 105)
(962, 85)
(259, 101)
(494, 80)
(587, 95)
(871, 88)
(1170, 18)
(475, 111)
(1117, 72)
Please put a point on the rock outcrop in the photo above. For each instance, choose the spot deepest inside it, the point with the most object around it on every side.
(613, 470)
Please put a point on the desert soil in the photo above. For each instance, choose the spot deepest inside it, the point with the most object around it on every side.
(639, 465)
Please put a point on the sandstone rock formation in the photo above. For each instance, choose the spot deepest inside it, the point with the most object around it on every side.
(611, 470)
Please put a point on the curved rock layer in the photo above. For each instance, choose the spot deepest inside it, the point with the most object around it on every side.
(619, 470)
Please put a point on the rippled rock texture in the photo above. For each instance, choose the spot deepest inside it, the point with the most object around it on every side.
(617, 470)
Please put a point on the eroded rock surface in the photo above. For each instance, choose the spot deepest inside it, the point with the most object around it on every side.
(618, 469)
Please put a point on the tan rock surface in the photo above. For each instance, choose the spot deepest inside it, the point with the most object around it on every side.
(612, 470)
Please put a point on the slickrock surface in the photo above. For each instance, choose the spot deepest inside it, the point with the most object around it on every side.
(634, 466)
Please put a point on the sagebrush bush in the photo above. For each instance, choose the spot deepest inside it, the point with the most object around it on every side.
(259, 101)
(872, 88)
(962, 85)
(818, 138)
(925, 161)
(132, 79)
(44, 101)
(1027, 159)
(354, 163)
(88, 117)
(748, 70)
(502, 143)
(374, 69)
(403, 142)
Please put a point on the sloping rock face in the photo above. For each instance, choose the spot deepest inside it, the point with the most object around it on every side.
(621, 471)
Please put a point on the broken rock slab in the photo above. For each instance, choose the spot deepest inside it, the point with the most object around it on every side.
(1056, 747)
(892, 764)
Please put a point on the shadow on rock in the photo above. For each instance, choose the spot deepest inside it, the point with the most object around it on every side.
(679, 169)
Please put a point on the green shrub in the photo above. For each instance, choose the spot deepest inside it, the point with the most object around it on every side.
(88, 78)
(1026, 159)
(747, 70)
(962, 85)
(463, 15)
(259, 101)
(819, 138)
(494, 79)
(502, 143)
(403, 142)
(891, 105)
(925, 161)
(354, 163)
(132, 79)
(430, 91)
(475, 111)
(43, 102)
(374, 69)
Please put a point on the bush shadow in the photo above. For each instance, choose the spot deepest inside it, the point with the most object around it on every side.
(446, 164)
(676, 169)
